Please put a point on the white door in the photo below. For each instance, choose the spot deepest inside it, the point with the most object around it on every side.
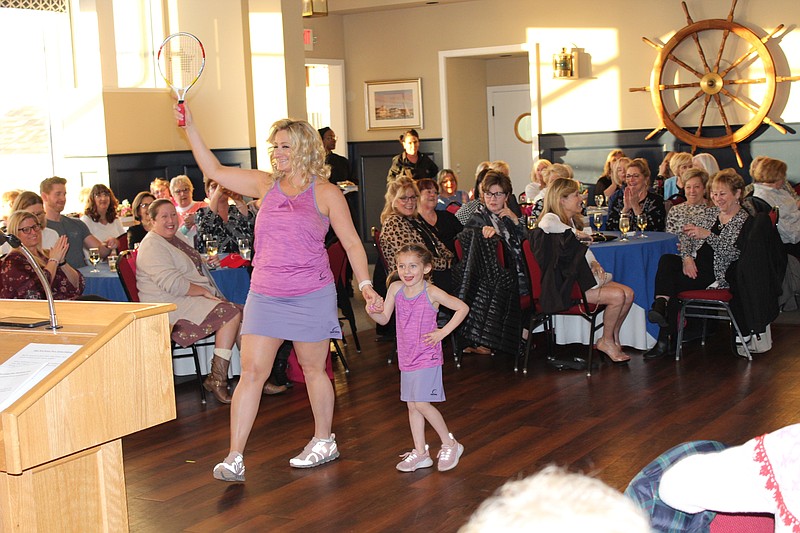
(506, 104)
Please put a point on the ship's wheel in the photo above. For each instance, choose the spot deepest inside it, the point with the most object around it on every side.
(718, 81)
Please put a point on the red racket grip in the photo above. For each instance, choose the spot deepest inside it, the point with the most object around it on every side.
(181, 121)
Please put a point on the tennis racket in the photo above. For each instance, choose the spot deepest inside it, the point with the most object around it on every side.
(181, 60)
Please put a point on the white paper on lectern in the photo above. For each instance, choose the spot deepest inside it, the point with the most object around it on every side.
(28, 367)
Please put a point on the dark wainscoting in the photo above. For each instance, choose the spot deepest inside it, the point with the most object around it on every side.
(131, 173)
(370, 162)
(586, 152)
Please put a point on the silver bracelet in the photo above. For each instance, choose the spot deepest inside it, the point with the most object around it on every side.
(364, 284)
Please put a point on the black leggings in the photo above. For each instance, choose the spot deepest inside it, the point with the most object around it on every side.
(670, 280)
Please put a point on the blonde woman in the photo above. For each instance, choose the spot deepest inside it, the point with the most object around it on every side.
(292, 293)
(537, 179)
(680, 163)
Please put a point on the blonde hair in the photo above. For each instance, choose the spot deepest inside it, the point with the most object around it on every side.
(556, 500)
(708, 162)
(393, 190)
(695, 172)
(538, 168)
(181, 179)
(770, 171)
(754, 165)
(500, 166)
(612, 156)
(13, 223)
(677, 161)
(622, 161)
(642, 165)
(308, 152)
(558, 189)
(557, 170)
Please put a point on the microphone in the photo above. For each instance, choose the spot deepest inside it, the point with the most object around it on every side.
(14, 242)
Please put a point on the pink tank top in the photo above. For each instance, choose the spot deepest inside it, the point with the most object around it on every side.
(290, 257)
(415, 317)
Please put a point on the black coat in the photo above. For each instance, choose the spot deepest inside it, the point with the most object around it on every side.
(562, 261)
(756, 277)
(492, 293)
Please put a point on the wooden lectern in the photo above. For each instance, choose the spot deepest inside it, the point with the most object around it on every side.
(61, 443)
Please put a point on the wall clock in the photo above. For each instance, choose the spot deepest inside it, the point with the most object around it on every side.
(713, 70)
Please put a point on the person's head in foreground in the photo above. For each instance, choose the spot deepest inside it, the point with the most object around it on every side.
(557, 501)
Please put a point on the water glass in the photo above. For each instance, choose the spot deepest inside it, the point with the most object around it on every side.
(94, 258)
(641, 222)
(624, 226)
(245, 249)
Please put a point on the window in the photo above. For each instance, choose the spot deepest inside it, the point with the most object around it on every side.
(138, 31)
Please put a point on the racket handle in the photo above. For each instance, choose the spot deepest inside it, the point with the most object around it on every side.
(181, 121)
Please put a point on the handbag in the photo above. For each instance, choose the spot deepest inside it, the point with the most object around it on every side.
(756, 343)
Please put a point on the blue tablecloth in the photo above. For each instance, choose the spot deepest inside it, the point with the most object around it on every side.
(233, 282)
(634, 263)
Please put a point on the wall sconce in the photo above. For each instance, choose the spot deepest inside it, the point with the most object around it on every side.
(315, 8)
(565, 64)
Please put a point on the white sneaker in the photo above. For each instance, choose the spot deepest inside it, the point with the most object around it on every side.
(316, 452)
(413, 460)
(233, 471)
(449, 455)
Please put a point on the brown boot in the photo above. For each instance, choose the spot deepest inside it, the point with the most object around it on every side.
(271, 389)
(217, 381)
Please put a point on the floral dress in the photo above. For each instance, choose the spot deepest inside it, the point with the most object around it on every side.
(19, 281)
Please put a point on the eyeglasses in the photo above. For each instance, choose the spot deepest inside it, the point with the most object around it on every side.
(407, 199)
(494, 194)
(145, 206)
(629, 176)
(180, 191)
(102, 193)
(27, 230)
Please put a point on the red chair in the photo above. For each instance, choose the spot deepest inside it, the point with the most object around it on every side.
(453, 207)
(122, 242)
(706, 304)
(583, 309)
(126, 271)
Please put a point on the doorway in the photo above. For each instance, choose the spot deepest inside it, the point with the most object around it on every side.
(505, 105)
(325, 98)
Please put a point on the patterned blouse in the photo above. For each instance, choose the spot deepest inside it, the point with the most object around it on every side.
(19, 281)
(723, 240)
(679, 216)
(397, 231)
(652, 206)
(228, 233)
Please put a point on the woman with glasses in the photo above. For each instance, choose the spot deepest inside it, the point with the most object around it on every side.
(636, 199)
(401, 225)
(143, 223)
(442, 222)
(494, 217)
(32, 202)
(18, 280)
(182, 190)
(100, 216)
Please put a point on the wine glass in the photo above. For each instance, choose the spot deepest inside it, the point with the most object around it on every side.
(641, 222)
(94, 258)
(597, 218)
(212, 248)
(624, 226)
(599, 199)
(244, 249)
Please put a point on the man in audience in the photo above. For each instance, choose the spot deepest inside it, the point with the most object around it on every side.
(54, 195)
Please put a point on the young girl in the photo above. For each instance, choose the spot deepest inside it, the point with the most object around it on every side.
(419, 352)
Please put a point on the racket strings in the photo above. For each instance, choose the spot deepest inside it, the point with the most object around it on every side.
(181, 61)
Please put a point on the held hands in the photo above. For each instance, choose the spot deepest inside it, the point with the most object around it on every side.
(433, 337)
(374, 300)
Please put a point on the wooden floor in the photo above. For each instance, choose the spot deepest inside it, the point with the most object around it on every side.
(610, 425)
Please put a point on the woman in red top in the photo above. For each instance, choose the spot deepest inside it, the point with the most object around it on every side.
(18, 280)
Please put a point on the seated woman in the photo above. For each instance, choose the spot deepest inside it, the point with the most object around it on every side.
(562, 213)
(537, 180)
(100, 216)
(693, 209)
(770, 180)
(617, 185)
(443, 223)
(448, 185)
(225, 222)
(607, 179)
(18, 280)
(550, 174)
(140, 207)
(707, 162)
(494, 217)
(168, 270)
(678, 164)
(465, 212)
(637, 199)
(31, 202)
(721, 231)
(402, 225)
(182, 191)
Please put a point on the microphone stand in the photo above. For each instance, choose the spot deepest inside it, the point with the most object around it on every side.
(14, 242)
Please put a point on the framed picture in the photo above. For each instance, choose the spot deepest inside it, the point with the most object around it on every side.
(393, 104)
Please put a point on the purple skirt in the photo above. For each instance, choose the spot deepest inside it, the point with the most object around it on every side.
(423, 385)
(312, 317)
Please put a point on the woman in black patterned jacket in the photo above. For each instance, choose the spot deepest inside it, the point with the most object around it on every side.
(636, 199)
(225, 222)
(721, 228)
